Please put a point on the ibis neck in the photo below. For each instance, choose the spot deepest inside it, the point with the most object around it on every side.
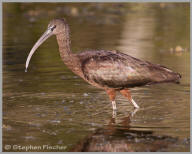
(67, 56)
(64, 45)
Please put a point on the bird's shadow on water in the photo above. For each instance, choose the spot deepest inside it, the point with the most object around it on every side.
(119, 136)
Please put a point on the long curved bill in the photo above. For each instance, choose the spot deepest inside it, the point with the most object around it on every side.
(45, 36)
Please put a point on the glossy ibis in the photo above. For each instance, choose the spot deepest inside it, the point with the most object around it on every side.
(110, 70)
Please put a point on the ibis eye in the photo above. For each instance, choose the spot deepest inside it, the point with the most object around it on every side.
(53, 27)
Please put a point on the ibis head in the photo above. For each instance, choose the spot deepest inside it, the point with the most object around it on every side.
(55, 27)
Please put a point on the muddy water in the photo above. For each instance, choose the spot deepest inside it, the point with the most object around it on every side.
(49, 105)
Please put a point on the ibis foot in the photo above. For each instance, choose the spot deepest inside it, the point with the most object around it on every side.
(114, 105)
(134, 111)
(134, 104)
(114, 114)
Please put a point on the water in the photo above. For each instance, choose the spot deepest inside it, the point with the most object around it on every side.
(49, 105)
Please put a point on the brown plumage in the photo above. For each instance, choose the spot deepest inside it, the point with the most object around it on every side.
(113, 69)
(110, 70)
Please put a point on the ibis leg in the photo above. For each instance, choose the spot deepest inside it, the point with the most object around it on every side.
(111, 94)
(127, 94)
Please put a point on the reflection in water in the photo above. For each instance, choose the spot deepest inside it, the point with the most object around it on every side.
(120, 137)
(135, 39)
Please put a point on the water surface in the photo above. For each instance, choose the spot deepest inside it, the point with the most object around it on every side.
(49, 105)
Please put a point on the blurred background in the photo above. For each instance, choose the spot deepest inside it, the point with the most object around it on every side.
(49, 105)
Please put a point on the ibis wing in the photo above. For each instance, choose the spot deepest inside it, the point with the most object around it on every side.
(118, 70)
(115, 71)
